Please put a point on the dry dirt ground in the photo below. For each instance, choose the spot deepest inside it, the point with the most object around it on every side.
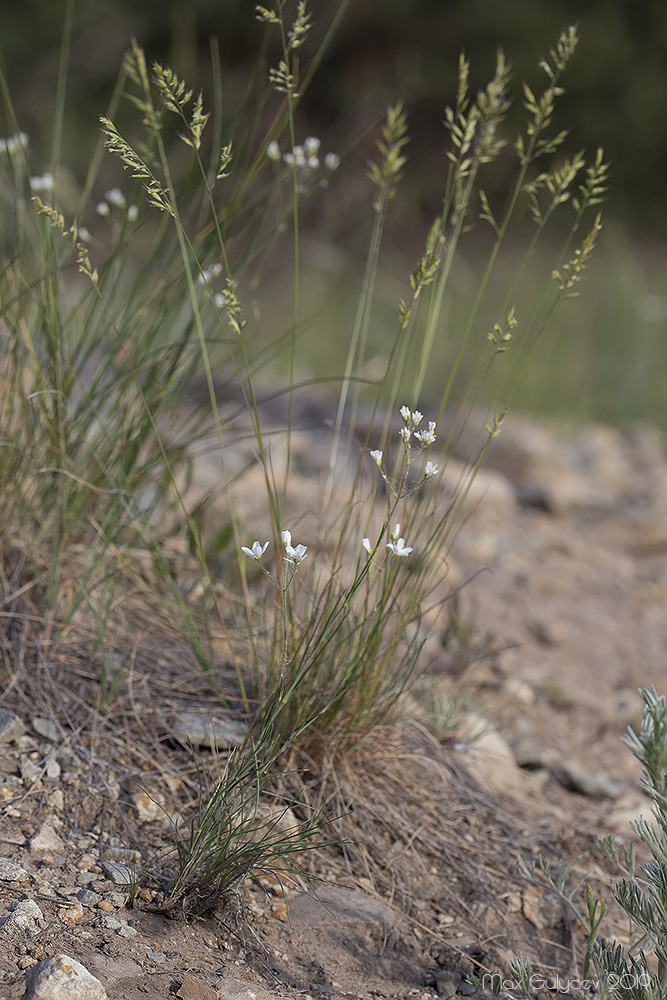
(560, 617)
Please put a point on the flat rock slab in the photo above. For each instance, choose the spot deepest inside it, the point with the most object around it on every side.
(337, 905)
(203, 730)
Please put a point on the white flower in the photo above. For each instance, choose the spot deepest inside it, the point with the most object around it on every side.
(204, 278)
(216, 270)
(430, 470)
(116, 197)
(332, 161)
(313, 162)
(311, 145)
(83, 234)
(405, 413)
(288, 158)
(273, 151)
(295, 555)
(103, 209)
(286, 537)
(132, 213)
(366, 544)
(377, 457)
(427, 437)
(396, 530)
(399, 548)
(219, 300)
(299, 156)
(14, 143)
(257, 550)
(43, 183)
(405, 434)
(417, 417)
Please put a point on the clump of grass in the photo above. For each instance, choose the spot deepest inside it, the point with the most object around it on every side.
(104, 333)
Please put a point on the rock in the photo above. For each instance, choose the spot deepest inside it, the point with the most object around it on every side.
(127, 932)
(203, 730)
(46, 841)
(447, 984)
(11, 726)
(9, 872)
(542, 909)
(31, 771)
(149, 808)
(71, 915)
(194, 989)
(88, 898)
(488, 758)
(336, 905)
(62, 978)
(22, 921)
(587, 784)
(119, 874)
(46, 728)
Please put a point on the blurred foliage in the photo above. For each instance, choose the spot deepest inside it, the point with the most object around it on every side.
(385, 50)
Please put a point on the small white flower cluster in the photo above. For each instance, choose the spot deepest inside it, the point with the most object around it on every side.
(306, 157)
(411, 420)
(396, 546)
(43, 182)
(116, 199)
(294, 554)
(14, 144)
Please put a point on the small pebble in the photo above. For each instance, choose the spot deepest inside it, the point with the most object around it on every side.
(127, 932)
(9, 872)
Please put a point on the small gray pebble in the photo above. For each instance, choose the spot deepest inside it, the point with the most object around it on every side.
(127, 932)
(11, 726)
(88, 898)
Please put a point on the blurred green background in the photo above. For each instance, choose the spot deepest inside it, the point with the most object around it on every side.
(605, 356)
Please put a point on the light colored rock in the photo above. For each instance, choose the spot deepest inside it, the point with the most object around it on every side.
(46, 728)
(11, 726)
(542, 909)
(22, 921)
(488, 758)
(10, 872)
(62, 978)
(591, 785)
(149, 807)
(208, 731)
(46, 841)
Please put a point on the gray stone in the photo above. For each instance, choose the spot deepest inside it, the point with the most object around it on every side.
(447, 984)
(46, 728)
(31, 771)
(46, 841)
(62, 978)
(11, 726)
(127, 932)
(88, 898)
(203, 730)
(587, 784)
(22, 921)
(333, 904)
(119, 874)
(10, 872)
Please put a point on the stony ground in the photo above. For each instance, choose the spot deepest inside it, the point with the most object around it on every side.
(545, 655)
